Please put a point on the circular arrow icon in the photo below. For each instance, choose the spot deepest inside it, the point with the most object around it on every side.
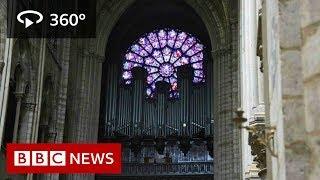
(27, 22)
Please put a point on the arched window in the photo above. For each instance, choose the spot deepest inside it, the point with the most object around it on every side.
(161, 52)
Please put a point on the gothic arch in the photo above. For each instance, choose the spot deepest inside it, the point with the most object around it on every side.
(18, 80)
(221, 21)
(213, 14)
(22, 56)
(23, 59)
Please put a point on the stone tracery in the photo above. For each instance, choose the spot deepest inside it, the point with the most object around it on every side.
(161, 53)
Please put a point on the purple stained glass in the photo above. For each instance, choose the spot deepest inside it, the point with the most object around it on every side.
(166, 70)
(161, 52)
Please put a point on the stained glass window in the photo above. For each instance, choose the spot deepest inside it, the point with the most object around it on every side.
(161, 52)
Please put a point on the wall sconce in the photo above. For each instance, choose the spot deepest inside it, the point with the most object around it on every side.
(260, 134)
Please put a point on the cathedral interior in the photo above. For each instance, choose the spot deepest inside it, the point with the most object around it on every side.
(192, 89)
(157, 86)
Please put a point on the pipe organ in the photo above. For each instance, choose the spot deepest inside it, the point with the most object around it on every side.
(159, 102)
(160, 126)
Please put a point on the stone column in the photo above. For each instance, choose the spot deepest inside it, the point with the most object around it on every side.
(226, 133)
(26, 122)
(272, 86)
(38, 97)
(84, 105)
(4, 87)
(19, 97)
(248, 74)
(62, 95)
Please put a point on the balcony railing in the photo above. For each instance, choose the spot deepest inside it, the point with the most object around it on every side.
(153, 169)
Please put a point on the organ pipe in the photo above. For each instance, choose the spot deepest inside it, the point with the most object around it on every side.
(184, 78)
(209, 92)
(162, 98)
(148, 117)
(130, 113)
(111, 102)
(138, 91)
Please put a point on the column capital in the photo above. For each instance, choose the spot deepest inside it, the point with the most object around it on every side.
(19, 95)
(29, 106)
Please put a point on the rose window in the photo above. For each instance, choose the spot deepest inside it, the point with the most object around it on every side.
(161, 52)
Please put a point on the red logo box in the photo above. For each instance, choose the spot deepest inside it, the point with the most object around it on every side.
(64, 158)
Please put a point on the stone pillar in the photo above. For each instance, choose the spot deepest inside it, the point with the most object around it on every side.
(248, 73)
(26, 122)
(38, 97)
(272, 86)
(310, 53)
(139, 75)
(226, 134)
(62, 95)
(39, 86)
(4, 87)
(84, 105)
(19, 97)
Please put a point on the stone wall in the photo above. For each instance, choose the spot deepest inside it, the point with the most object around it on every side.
(273, 87)
(310, 55)
(296, 151)
(300, 69)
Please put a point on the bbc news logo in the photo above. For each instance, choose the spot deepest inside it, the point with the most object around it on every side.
(64, 158)
(40, 158)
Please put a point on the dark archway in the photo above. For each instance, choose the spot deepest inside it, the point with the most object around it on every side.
(142, 17)
(145, 16)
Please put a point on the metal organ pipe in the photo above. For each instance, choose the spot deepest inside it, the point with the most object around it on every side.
(147, 128)
(162, 98)
(197, 108)
(111, 102)
(161, 113)
(124, 110)
(176, 115)
(204, 107)
(139, 75)
(209, 92)
(184, 78)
